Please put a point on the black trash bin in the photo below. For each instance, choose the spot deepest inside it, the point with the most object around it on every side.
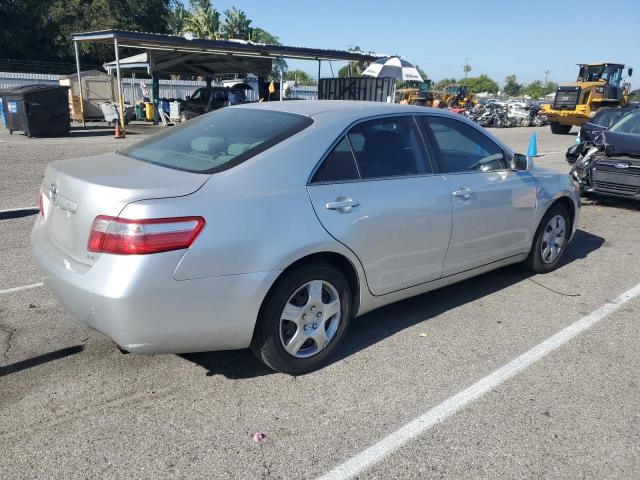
(37, 110)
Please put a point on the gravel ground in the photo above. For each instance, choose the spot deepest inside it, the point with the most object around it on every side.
(72, 406)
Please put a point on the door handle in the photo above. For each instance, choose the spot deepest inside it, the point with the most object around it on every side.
(463, 192)
(342, 204)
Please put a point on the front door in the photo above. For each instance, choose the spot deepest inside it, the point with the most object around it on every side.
(376, 194)
(493, 205)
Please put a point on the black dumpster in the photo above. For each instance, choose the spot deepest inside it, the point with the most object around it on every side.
(37, 110)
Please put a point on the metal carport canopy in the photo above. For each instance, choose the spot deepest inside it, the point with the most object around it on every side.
(158, 41)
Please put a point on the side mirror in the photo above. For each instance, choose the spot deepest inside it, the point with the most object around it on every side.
(522, 162)
(630, 71)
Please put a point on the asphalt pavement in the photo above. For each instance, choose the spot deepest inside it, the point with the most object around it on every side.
(73, 406)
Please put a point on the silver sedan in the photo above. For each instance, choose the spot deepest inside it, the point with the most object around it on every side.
(271, 225)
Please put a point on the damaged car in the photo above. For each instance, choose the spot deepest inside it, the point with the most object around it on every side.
(611, 166)
(590, 130)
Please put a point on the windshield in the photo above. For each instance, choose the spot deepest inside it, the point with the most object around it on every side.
(628, 124)
(219, 140)
(607, 117)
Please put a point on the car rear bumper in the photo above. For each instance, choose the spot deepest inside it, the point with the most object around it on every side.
(134, 300)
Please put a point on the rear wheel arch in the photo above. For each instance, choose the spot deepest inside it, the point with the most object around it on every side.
(337, 260)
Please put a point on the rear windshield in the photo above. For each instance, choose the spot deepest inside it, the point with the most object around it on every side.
(219, 140)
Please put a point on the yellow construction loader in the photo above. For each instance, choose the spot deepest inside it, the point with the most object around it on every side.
(598, 85)
(418, 94)
(458, 96)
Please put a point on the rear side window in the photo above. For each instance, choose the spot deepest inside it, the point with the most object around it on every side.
(219, 140)
(388, 147)
(338, 166)
(462, 148)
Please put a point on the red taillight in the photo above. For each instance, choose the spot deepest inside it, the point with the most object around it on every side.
(139, 237)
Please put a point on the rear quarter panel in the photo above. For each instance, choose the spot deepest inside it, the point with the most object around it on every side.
(258, 214)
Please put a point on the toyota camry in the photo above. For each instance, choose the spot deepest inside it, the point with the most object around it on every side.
(270, 226)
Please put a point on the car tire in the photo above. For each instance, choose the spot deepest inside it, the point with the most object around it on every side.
(275, 338)
(550, 241)
(560, 129)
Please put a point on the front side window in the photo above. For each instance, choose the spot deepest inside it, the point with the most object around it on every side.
(388, 147)
(462, 148)
(219, 140)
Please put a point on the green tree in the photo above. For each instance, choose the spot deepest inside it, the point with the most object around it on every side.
(203, 20)
(482, 84)
(259, 35)
(61, 18)
(300, 77)
(511, 86)
(356, 67)
(422, 73)
(176, 17)
(441, 84)
(236, 25)
(534, 90)
(550, 88)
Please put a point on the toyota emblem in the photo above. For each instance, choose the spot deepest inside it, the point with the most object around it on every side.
(621, 165)
(53, 192)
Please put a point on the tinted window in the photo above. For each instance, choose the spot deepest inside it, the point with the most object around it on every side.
(387, 147)
(462, 148)
(607, 117)
(339, 165)
(628, 124)
(219, 140)
(198, 95)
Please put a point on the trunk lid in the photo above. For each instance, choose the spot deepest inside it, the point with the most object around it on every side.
(77, 191)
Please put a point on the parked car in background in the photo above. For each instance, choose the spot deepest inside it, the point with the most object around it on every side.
(207, 99)
(602, 120)
(612, 165)
(272, 225)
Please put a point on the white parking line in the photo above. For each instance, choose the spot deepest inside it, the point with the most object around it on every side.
(419, 425)
(19, 289)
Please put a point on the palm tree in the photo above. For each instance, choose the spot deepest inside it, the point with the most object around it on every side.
(203, 21)
(176, 19)
(236, 24)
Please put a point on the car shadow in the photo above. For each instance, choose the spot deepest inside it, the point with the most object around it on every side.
(375, 326)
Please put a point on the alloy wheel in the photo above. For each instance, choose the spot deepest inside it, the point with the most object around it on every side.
(553, 239)
(310, 319)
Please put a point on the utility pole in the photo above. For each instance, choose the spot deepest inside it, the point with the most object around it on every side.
(467, 69)
(546, 78)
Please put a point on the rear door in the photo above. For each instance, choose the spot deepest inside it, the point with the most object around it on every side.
(376, 193)
(493, 205)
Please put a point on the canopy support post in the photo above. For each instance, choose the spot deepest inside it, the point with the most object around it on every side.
(281, 79)
(75, 45)
(155, 96)
(120, 95)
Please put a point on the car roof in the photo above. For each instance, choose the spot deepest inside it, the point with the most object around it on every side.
(343, 108)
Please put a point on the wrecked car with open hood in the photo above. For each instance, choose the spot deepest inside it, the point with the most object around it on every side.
(612, 165)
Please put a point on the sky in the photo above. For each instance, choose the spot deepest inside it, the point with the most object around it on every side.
(499, 37)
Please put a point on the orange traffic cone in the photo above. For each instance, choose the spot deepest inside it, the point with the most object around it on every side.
(119, 133)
